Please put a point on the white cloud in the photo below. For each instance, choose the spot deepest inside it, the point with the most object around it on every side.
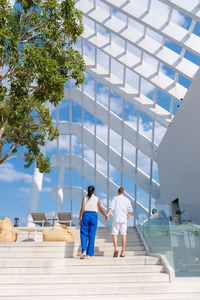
(103, 202)
(63, 143)
(47, 179)
(8, 173)
(159, 133)
(26, 191)
(50, 214)
(145, 129)
(102, 195)
(102, 96)
(46, 189)
(162, 10)
(100, 162)
(76, 146)
(101, 165)
(178, 18)
(129, 151)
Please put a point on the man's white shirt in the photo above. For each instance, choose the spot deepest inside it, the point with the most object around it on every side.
(120, 206)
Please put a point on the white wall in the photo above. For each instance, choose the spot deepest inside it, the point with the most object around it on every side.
(179, 156)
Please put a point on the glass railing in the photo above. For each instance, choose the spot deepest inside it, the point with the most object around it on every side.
(155, 230)
(185, 237)
(177, 238)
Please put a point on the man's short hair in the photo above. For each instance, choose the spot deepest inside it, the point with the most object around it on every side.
(120, 190)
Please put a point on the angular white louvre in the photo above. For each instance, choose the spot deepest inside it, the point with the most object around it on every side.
(141, 57)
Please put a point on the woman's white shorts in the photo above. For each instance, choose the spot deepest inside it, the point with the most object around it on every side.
(119, 227)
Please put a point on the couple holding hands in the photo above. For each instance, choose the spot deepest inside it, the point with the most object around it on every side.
(120, 207)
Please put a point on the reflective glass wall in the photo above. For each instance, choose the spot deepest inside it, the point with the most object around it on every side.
(174, 235)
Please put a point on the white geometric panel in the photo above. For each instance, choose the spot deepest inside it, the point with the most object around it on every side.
(141, 57)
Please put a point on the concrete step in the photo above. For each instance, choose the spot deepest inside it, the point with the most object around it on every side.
(164, 296)
(78, 242)
(98, 238)
(58, 244)
(95, 289)
(38, 270)
(101, 237)
(75, 230)
(77, 234)
(105, 247)
(83, 270)
(87, 278)
(102, 261)
(77, 237)
(106, 234)
(107, 261)
(110, 253)
(61, 254)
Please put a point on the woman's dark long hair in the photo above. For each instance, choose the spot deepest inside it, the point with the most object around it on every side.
(90, 191)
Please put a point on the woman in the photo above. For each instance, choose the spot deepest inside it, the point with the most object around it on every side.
(88, 221)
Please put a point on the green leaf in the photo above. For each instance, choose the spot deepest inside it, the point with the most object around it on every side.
(37, 40)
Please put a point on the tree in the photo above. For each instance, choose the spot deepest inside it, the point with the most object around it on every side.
(37, 57)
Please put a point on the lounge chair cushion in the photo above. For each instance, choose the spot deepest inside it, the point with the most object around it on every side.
(59, 233)
(7, 231)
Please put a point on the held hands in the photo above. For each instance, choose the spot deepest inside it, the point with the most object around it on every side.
(107, 217)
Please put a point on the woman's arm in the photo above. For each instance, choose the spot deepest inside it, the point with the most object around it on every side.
(81, 211)
(101, 209)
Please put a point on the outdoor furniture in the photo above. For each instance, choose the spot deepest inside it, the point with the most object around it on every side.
(16, 222)
(7, 231)
(40, 219)
(53, 220)
(59, 233)
(28, 230)
(65, 218)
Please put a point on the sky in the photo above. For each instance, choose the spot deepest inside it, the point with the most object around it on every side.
(15, 180)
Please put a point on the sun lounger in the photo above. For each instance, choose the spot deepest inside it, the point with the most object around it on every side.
(65, 218)
(40, 219)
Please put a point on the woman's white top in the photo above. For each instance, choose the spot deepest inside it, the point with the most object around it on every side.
(91, 204)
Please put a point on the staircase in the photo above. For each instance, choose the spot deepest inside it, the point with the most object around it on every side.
(51, 270)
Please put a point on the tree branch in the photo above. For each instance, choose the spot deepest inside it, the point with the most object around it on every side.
(8, 74)
(30, 19)
(14, 156)
(30, 31)
(0, 149)
(5, 123)
(34, 88)
(35, 42)
(11, 149)
(12, 72)
(21, 20)
(32, 37)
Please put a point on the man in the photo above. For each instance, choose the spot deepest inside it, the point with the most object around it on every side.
(122, 210)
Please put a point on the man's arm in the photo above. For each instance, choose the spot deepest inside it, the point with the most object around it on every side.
(129, 214)
(130, 210)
